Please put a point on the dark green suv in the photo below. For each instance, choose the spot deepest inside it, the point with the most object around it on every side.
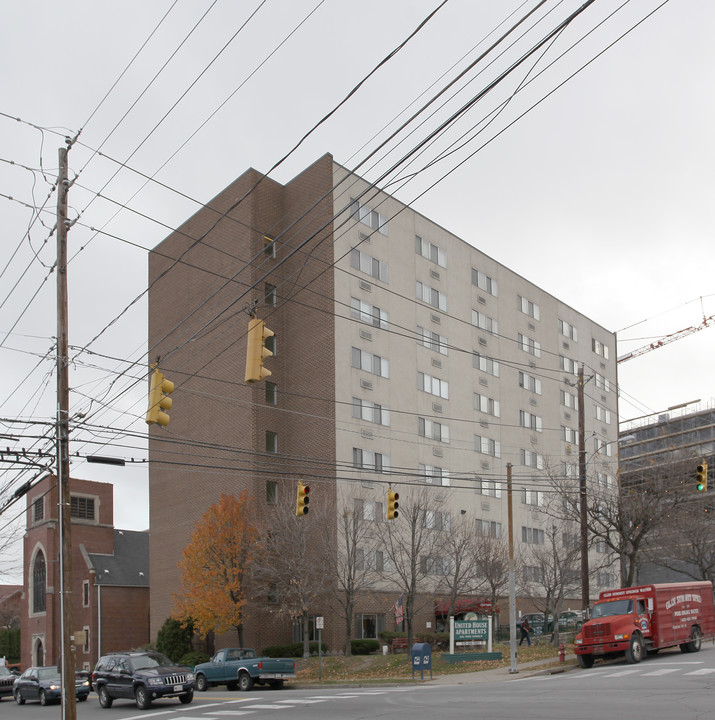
(143, 677)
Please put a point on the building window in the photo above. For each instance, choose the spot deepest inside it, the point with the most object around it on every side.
(271, 441)
(85, 593)
(599, 348)
(568, 400)
(367, 627)
(602, 383)
(433, 385)
(568, 365)
(485, 364)
(364, 360)
(269, 246)
(488, 528)
(533, 573)
(39, 584)
(484, 322)
(371, 412)
(368, 216)
(432, 430)
(369, 510)
(369, 460)
(434, 475)
(430, 565)
(271, 492)
(38, 510)
(532, 459)
(529, 345)
(271, 393)
(272, 594)
(487, 446)
(431, 296)
(432, 340)
(436, 520)
(602, 447)
(533, 497)
(569, 435)
(485, 404)
(532, 536)
(527, 307)
(269, 295)
(568, 330)
(491, 488)
(85, 646)
(484, 282)
(364, 312)
(82, 508)
(431, 252)
(530, 383)
(367, 264)
(603, 415)
(531, 421)
(606, 580)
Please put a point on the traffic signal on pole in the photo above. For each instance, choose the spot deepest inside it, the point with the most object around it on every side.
(256, 350)
(159, 400)
(302, 500)
(702, 469)
(392, 504)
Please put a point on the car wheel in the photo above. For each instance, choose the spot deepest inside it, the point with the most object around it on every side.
(585, 661)
(186, 699)
(695, 641)
(105, 700)
(142, 698)
(201, 684)
(81, 698)
(18, 698)
(43, 697)
(245, 682)
(635, 652)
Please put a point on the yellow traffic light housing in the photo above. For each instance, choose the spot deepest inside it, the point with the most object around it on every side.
(392, 504)
(302, 499)
(702, 484)
(159, 400)
(256, 351)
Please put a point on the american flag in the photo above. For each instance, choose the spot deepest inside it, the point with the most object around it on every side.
(399, 610)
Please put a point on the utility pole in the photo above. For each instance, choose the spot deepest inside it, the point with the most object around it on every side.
(69, 699)
(512, 578)
(582, 489)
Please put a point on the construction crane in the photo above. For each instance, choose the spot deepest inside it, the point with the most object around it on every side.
(707, 321)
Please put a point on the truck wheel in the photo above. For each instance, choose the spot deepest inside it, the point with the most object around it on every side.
(105, 701)
(142, 698)
(245, 682)
(635, 653)
(696, 640)
(585, 661)
(201, 684)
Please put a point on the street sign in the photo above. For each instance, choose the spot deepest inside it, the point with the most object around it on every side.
(319, 622)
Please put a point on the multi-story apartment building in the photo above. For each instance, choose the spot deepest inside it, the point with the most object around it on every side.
(403, 356)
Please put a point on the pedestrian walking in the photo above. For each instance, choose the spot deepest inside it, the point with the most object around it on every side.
(525, 630)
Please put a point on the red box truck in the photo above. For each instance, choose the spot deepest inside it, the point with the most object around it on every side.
(637, 620)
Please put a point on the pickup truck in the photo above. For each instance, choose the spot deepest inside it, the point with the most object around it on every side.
(241, 668)
(636, 620)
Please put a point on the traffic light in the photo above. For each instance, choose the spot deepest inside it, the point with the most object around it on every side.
(702, 469)
(256, 351)
(392, 504)
(302, 500)
(158, 400)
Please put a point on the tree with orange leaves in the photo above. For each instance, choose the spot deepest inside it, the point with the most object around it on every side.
(215, 567)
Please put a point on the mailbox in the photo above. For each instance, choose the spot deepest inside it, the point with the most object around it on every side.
(421, 659)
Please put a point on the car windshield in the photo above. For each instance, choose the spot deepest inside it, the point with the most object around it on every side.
(142, 662)
(615, 607)
(49, 673)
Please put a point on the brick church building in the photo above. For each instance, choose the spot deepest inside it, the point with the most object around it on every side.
(110, 576)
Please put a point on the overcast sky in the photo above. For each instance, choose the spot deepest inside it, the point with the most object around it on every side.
(592, 175)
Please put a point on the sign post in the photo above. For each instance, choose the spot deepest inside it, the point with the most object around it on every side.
(319, 621)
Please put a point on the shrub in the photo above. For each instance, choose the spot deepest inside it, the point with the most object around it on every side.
(174, 640)
(364, 647)
(294, 650)
(193, 658)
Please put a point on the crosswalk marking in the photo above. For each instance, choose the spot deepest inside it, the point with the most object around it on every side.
(701, 671)
(662, 671)
(270, 707)
(301, 701)
(621, 673)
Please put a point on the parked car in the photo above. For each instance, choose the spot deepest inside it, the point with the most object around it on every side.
(45, 684)
(7, 679)
(143, 677)
(568, 620)
(242, 668)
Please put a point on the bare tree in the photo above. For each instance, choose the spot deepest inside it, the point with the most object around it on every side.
(293, 552)
(411, 545)
(492, 564)
(355, 563)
